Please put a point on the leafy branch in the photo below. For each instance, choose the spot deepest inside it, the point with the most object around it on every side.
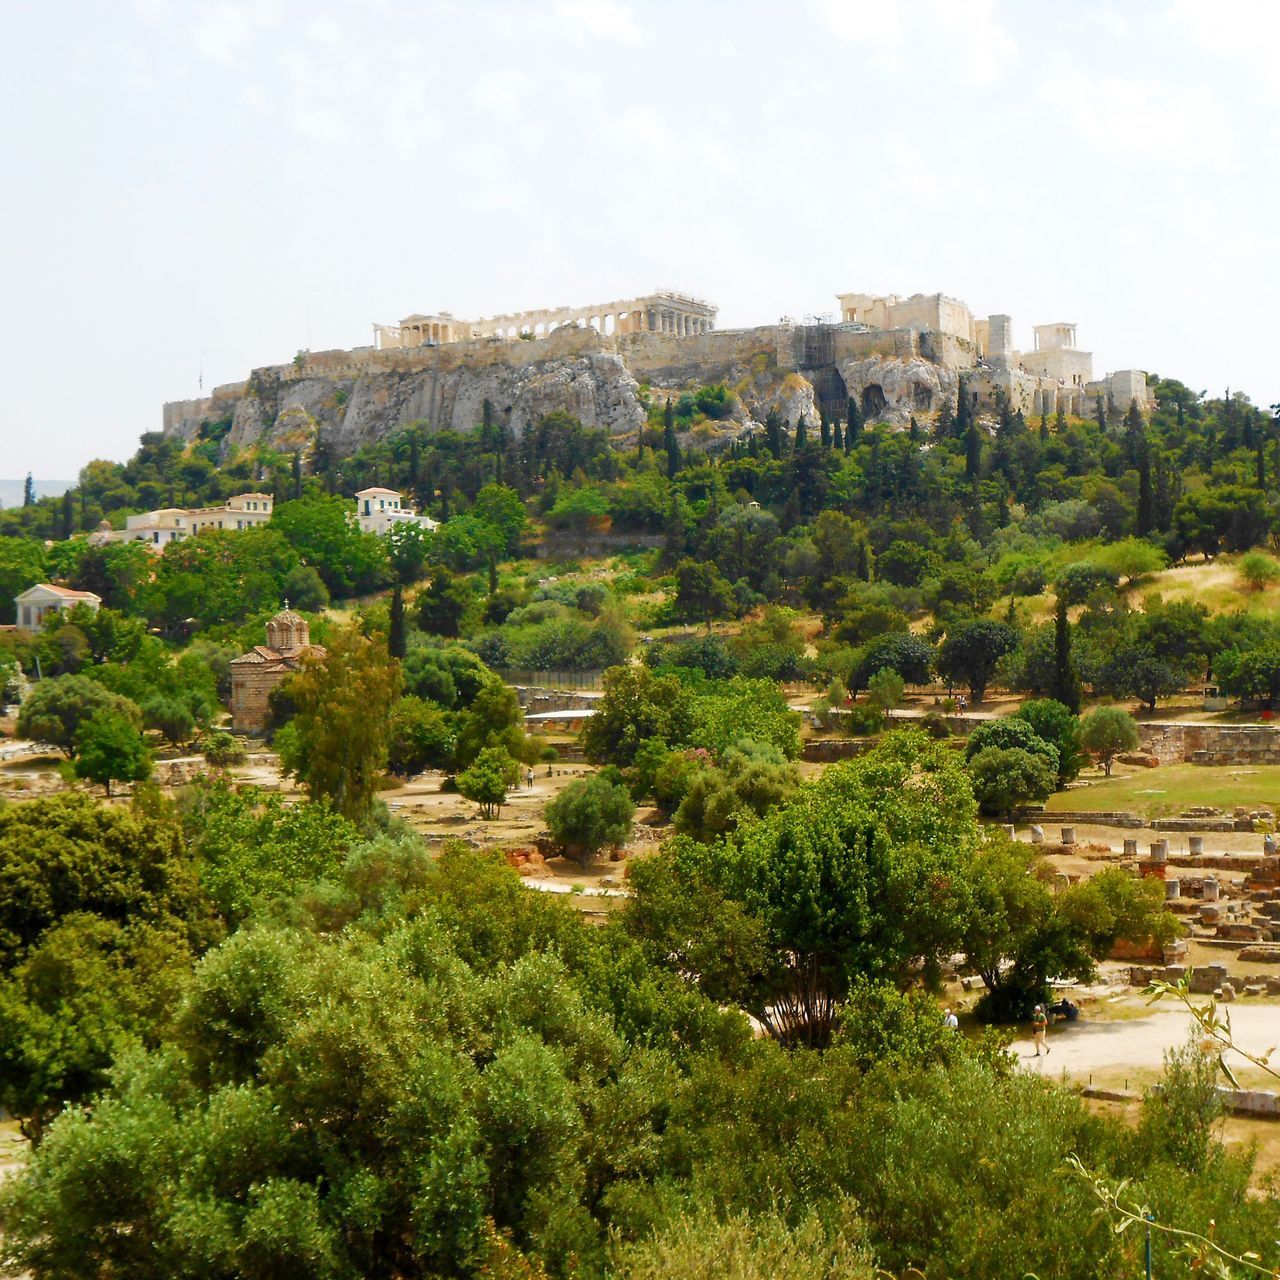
(1215, 1025)
(1202, 1253)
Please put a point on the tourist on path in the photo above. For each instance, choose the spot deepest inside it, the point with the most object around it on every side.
(1039, 1025)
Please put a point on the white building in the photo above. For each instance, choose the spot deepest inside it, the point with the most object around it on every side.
(36, 603)
(171, 524)
(379, 510)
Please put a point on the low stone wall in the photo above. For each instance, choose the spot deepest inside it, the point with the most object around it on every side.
(1211, 743)
(829, 750)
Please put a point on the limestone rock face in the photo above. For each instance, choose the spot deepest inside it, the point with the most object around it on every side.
(349, 412)
(792, 399)
(890, 389)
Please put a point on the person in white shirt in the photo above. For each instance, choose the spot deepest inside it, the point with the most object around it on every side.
(953, 1023)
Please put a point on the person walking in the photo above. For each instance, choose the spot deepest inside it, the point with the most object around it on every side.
(953, 1023)
(1039, 1025)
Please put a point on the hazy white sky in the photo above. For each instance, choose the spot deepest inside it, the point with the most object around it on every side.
(194, 186)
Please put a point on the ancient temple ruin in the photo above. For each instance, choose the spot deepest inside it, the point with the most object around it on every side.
(664, 311)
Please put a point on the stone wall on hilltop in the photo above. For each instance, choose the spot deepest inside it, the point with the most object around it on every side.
(352, 398)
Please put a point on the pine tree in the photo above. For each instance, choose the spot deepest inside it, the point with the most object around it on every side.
(29, 492)
(669, 441)
(1066, 683)
(1146, 499)
(802, 434)
(837, 437)
(397, 645)
(853, 424)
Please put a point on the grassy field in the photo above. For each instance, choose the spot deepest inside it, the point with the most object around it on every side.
(1168, 790)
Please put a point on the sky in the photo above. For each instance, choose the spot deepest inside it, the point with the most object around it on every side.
(192, 188)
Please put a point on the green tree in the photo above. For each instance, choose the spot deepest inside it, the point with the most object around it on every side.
(443, 604)
(500, 506)
(1005, 778)
(669, 441)
(56, 709)
(1106, 732)
(971, 652)
(350, 561)
(1055, 724)
(859, 874)
(174, 719)
(488, 779)
(493, 719)
(590, 814)
(752, 779)
(701, 593)
(255, 851)
(637, 706)
(69, 855)
(423, 736)
(337, 742)
(884, 691)
(89, 991)
(1064, 684)
(408, 548)
(397, 638)
(1012, 733)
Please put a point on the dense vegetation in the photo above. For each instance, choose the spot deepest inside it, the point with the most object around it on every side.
(313, 1050)
(258, 1039)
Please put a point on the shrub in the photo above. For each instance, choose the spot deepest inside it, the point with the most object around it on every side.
(1004, 778)
(221, 748)
(590, 814)
(488, 780)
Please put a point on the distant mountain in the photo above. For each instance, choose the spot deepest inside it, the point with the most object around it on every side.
(11, 490)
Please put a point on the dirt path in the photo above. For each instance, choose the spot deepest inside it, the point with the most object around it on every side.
(1113, 1051)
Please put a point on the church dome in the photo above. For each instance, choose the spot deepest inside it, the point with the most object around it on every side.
(288, 630)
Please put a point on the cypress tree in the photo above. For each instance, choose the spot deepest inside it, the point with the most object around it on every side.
(1134, 433)
(1060, 419)
(1044, 426)
(972, 450)
(1066, 684)
(1260, 467)
(1146, 499)
(964, 409)
(913, 431)
(493, 576)
(753, 445)
(824, 429)
(669, 441)
(837, 438)
(773, 433)
(295, 473)
(1100, 412)
(862, 562)
(396, 640)
(29, 492)
(853, 424)
(68, 513)
(802, 434)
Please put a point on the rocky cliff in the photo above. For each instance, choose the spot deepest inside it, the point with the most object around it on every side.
(351, 398)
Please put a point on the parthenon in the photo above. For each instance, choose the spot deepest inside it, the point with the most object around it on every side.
(663, 311)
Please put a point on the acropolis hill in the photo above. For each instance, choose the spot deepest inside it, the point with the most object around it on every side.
(900, 356)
